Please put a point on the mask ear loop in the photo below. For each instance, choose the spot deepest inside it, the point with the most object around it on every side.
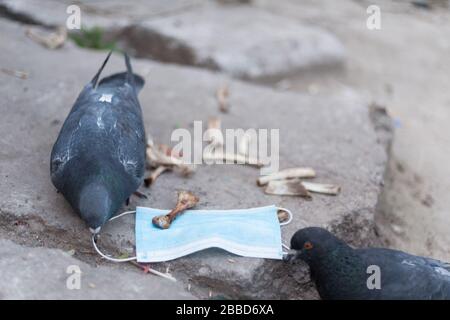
(284, 224)
(94, 243)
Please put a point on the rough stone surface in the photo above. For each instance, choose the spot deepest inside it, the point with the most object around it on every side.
(240, 40)
(106, 14)
(333, 134)
(40, 273)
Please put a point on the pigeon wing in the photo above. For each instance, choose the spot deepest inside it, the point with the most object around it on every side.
(405, 276)
(63, 149)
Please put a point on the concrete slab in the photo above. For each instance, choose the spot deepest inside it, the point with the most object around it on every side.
(106, 14)
(41, 273)
(241, 40)
(335, 135)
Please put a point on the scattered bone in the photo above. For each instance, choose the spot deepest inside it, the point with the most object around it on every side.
(231, 158)
(15, 73)
(282, 216)
(52, 41)
(330, 189)
(244, 144)
(215, 137)
(158, 157)
(222, 97)
(214, 134)
(155, 174)
(287, 188)
(165, 149)
(186, 200)
(287, 174)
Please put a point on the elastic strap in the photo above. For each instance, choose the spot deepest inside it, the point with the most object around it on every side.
(94, 243)
(285, 224)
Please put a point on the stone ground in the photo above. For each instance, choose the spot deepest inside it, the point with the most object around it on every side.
(321, 108)
(404, 67)
(31, 273)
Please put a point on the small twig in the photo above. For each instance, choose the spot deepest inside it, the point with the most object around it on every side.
(147, 269)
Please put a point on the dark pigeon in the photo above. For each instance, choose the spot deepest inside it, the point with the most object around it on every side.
(98, 160)
(341, 272)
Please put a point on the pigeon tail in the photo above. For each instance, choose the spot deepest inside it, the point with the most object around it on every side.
(119, 79)
(97, 75)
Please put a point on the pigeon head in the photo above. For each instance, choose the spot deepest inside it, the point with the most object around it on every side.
(95, 205)
(313, 243)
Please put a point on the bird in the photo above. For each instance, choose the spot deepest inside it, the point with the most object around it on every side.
(341, 272)
(98, 159)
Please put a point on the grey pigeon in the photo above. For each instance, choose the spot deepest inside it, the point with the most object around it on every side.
(98, 160)
(341, 272)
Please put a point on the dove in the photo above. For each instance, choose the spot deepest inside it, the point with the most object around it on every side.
(98, 159)
(342, 272)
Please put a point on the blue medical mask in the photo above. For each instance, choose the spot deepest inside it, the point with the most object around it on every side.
(249, 232)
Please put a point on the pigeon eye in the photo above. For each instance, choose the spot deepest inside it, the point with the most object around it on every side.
(308, 245)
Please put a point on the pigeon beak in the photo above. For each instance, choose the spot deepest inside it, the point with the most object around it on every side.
(95, 231)
(291, 256)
